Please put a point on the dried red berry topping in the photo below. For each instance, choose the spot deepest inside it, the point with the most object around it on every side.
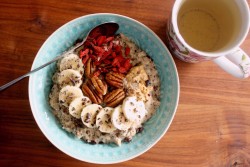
(106, 51)
(127, 51)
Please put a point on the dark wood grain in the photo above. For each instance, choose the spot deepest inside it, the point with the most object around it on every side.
(212, 124)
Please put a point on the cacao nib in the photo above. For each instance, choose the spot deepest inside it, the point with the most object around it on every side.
(139, 130)
(126, 139)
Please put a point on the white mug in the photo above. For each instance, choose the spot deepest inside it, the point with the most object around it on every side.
(200, 30)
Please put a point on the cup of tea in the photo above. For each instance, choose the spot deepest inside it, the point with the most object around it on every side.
(200, 30)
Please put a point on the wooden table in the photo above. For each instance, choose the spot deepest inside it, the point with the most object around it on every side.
(212, 124)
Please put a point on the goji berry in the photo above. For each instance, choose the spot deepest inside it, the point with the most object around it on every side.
(97, 63)
(127, 64)
(100, 40)
(106, 54)
(122, 70)
(93, 57)
(127, 51)
(99, 55)
(120, 58)
(98, 49)
(114, 69)
(106, 61)
(109, 39)
(85, 59)
(113, 54)
(97, 73)
(110, 46)
(115, 62)
(84, 53)
(110, 57)
(118, 48)
(119, 54)
(103, 70)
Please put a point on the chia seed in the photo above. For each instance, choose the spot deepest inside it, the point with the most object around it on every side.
(147, 83)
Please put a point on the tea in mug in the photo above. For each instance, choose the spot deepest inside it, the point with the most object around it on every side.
(209, 25)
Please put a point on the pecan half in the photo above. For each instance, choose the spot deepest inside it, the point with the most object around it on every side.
(89, 90)
(90, 68)
(100, 86)
(115, 79)
(114, 98)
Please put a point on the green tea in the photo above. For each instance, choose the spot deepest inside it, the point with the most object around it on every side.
(209, 25)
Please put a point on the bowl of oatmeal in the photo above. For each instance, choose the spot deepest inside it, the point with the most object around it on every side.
(112, 99)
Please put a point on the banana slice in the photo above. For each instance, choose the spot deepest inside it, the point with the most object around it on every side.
(119, 120)
(71, 61)
(103, 120)
(89, 113)
(76, 106)
(133, 110)
(68, 93)
(55, 77)
(69, 77)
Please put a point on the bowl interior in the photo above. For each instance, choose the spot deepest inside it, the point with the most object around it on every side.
(40, 84)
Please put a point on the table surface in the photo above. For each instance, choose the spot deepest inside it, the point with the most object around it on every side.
(211, 127)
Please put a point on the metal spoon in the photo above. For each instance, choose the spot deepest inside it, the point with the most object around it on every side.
(107, 29)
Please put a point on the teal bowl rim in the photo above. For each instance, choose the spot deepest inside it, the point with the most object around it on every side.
(36, 115)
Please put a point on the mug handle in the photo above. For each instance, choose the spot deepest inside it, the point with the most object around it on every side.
(236, 63)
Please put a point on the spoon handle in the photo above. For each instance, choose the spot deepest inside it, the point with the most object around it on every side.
(42, 66)
(27, 74)
(12, 82)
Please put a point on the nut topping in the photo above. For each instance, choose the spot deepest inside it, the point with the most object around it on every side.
(90, 68)
(100, 86)
(89, 91)
(115, 79)
(114, 98)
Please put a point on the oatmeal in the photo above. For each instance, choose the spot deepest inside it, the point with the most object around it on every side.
(105, 93)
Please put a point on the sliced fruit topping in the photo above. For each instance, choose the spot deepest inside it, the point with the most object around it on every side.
(73, 62)
(69, 77)
(89, 113)
(76, 106)
(68, 93)
(119, 120)
(103, 120)
(133, 110)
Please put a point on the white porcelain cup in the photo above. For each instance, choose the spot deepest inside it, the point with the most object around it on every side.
(200, 30)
